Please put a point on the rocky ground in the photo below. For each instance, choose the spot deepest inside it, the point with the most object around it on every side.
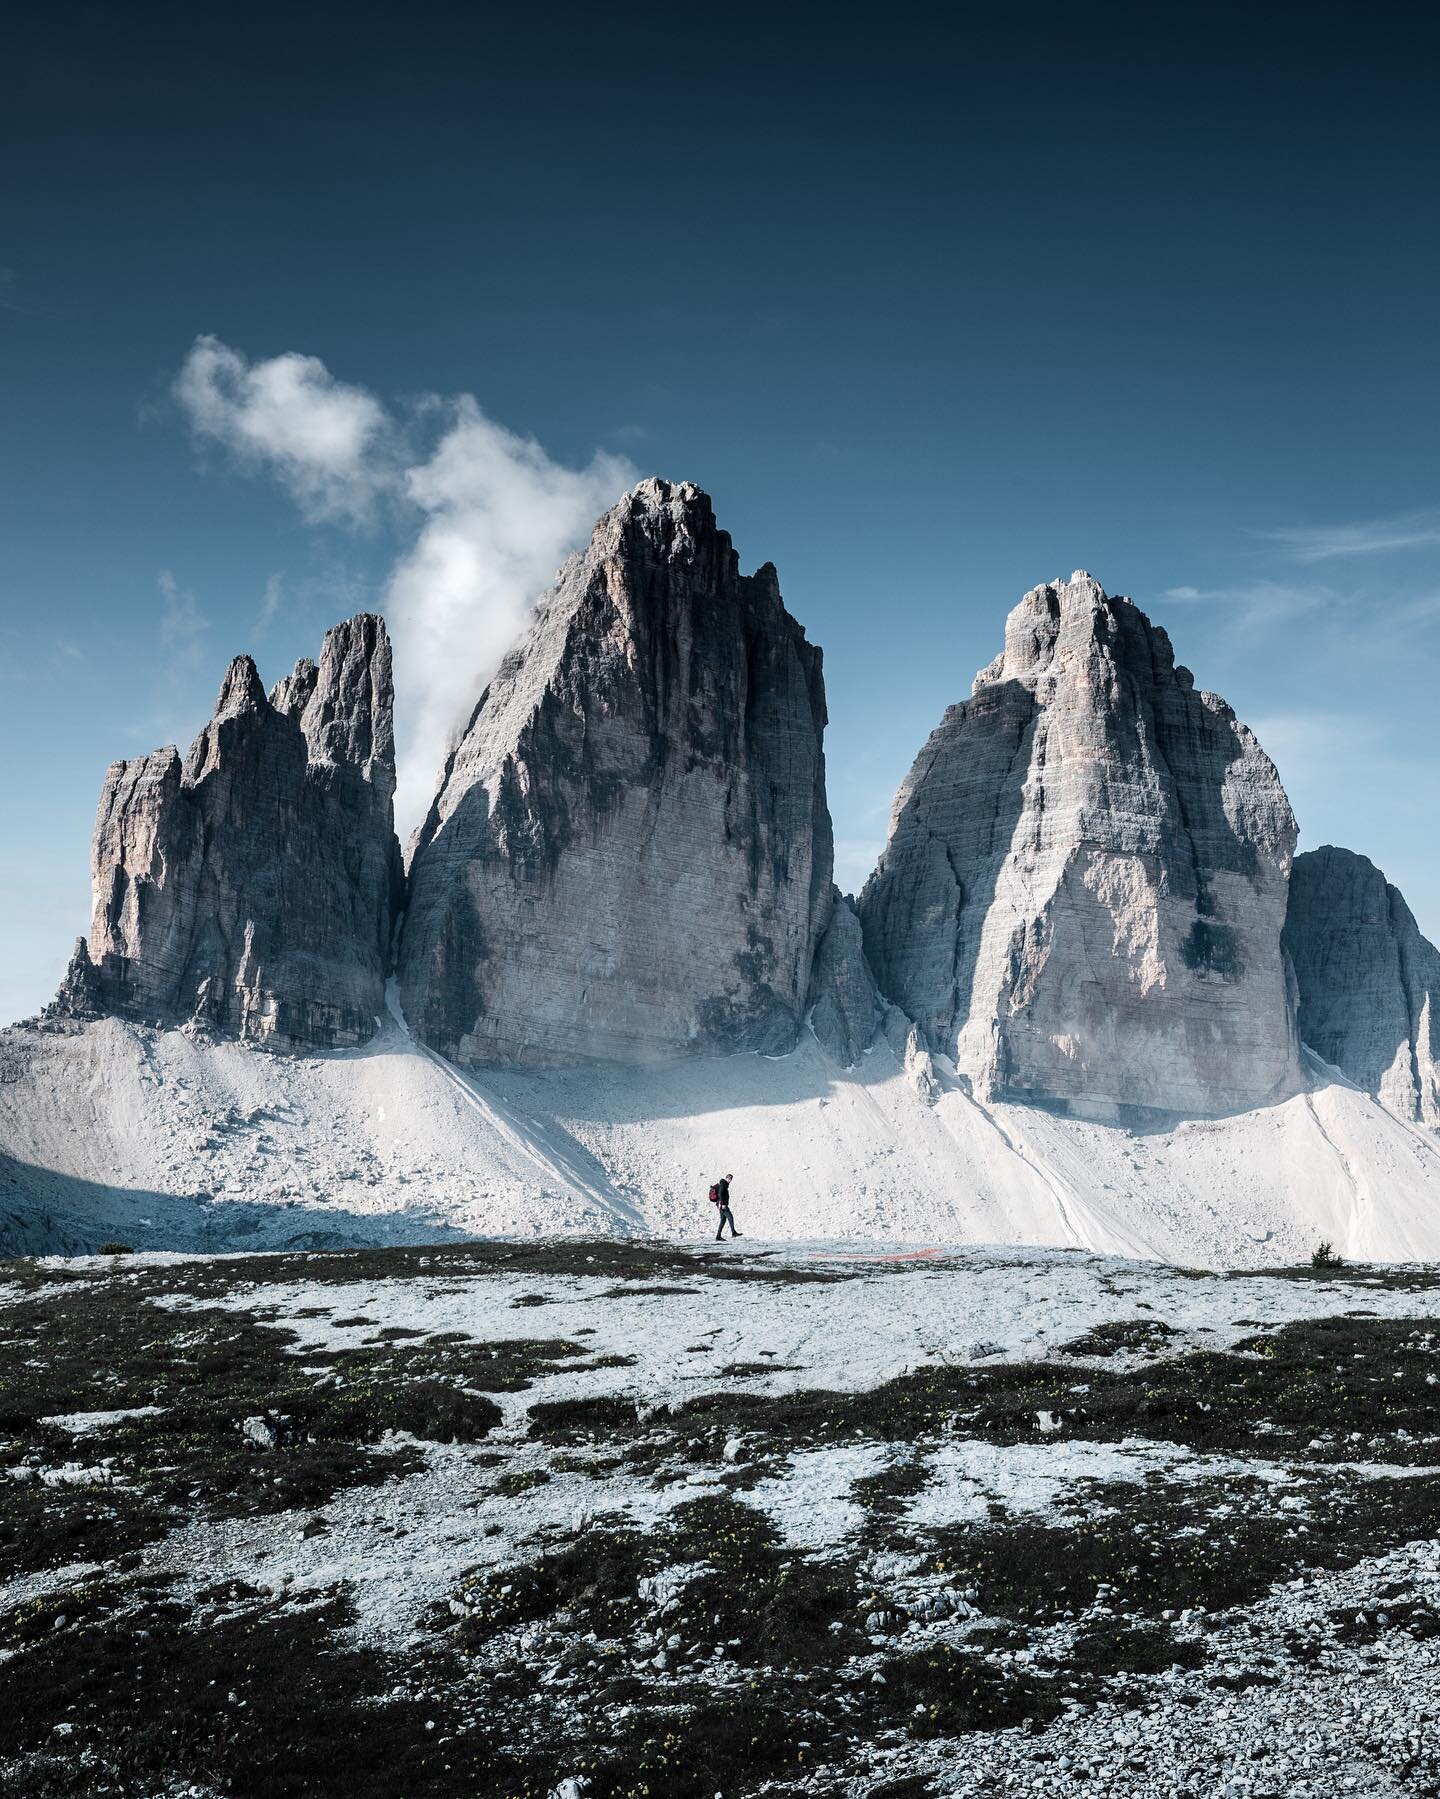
(609, 1518)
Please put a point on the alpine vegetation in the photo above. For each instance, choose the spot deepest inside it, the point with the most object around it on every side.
(513, 1521)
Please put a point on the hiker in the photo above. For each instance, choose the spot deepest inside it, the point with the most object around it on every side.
(720, 1196)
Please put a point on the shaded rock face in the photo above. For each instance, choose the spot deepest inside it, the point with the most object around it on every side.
(845, 1005)
(1369, 983)
(254, 887)
(1083, 890)
(82, 992)
(629, 856)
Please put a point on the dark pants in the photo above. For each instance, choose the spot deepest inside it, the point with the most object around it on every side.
(726, 1218)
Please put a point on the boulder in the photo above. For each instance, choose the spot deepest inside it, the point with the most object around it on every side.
(1369, 983)
(629, 856)
(1084, 884)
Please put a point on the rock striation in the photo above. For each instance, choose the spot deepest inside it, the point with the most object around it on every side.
(1369, 983)
(1083, 889)
(253, 888)
(846, 1009)
(629, 856)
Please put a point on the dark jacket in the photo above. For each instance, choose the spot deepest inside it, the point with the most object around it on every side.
(722, 1187)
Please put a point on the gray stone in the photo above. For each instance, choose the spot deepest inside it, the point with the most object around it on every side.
(629, 856)
(920, 1067)
(254, 888)
(261, 1431)
(1369, 983)
(1083, 889)
(292, 695)
(82, 993)
(845, 1004)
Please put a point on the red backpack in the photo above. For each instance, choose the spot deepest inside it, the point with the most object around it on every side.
(715, 1193)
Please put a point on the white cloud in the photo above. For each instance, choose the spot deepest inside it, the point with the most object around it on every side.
(492, 516)
(327, 442)
(1321, 543)
(500, 517)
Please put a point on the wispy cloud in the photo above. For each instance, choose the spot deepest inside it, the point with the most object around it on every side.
(1306, 737)
(32, 655)
(491, 515)
(1419, 611)
(182, 626)
(271, 602)
(1370, 537)
(1363, 622)
(1256, 603)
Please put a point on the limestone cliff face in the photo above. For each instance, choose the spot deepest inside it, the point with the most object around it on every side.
(846, 1009)
(629, 856)
(254, 886)
(1085, 881)
(1369, 983)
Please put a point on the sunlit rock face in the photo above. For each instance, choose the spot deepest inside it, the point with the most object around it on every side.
(629, 855)
(1369, 983)
(1083, 890)
(253, 888)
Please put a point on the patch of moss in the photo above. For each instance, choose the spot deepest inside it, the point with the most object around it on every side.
(941, 1690)
(1135, 1335)
(1144, 1549)
(265, 1699)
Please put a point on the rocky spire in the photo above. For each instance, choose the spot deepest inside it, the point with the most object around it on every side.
(1083, 889)
(845, 1005)
(292, 695)
(241, 690)
(629, 855)
(255, 887)
(349, 713)
(1369, 982)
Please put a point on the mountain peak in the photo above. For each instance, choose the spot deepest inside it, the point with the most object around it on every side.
(1082, 893)
(254, 890)
(630, 854)
(242, 690)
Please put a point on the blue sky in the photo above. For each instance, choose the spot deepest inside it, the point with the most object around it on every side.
(934, 309)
